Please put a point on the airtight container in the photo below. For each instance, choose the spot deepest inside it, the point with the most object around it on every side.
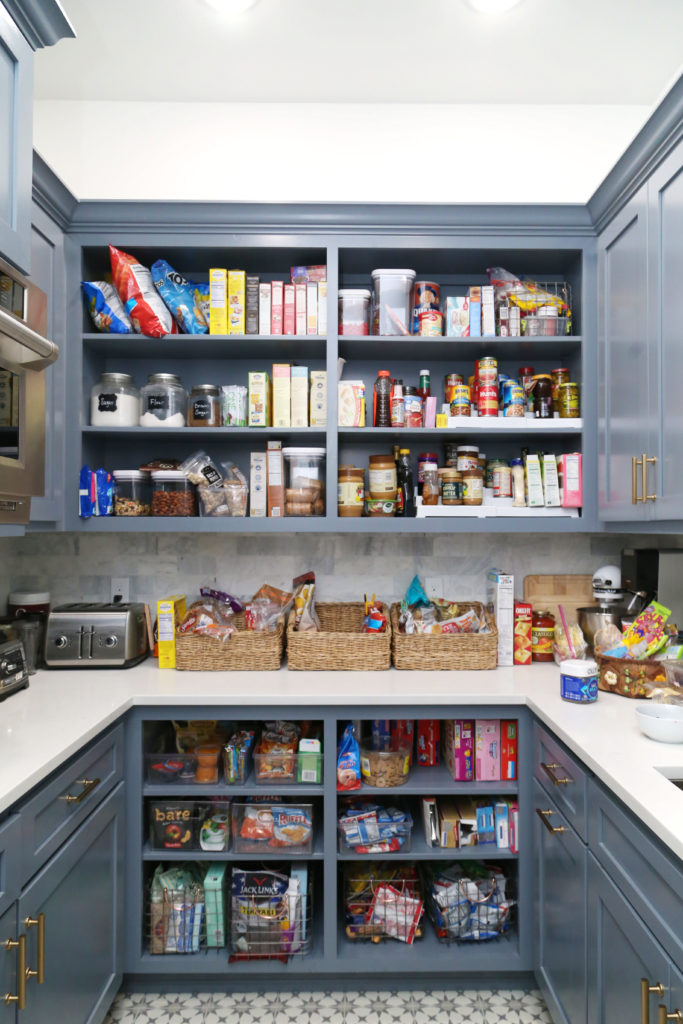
(354, 310)
(392, 301)
(132, 493)
(305, 481)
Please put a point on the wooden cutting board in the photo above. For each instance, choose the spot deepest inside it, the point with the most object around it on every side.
(547, 592)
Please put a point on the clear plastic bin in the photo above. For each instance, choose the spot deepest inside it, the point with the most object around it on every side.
(392, 301)
(288, 769)
(545, 326)
(386, 831)
(305, 481)
(385, 768)
(354, 310)
(171, 769)
(189, 825)
(281, 828)
(172, 494)
(132, 493)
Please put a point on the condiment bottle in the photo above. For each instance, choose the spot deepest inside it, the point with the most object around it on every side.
(543, 396)
(406, 499)
(542, 636)
(413, 407)
(398, 407)
(518, 495)
(381, 410)
(424, 387)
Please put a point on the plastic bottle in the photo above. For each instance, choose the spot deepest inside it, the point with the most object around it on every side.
(381, 407)
(398, 409)
(518, 498)
(406, 497)
(424, 388)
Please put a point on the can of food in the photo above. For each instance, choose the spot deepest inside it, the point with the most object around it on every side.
(487, 400)
(514, 399)
(568, 400)
(487, 370)
(491, 466)
(559, 376)
(430, 323)
(579, 680)
(413, 408)
(460, 402)
(426, 297)
(526, 379)
(452, 380)
(502, 481)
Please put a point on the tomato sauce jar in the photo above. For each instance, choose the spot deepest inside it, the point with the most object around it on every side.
(542, 636)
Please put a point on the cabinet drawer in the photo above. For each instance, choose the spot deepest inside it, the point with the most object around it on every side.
(59, 806)
(10, 838)
(563, 777)
(650, 879)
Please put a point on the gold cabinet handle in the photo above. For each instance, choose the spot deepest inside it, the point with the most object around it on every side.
(20, 998)
(544, 816)
(645, 989)
(663, 1016)
(550, 770)
(634, 480)
(39, 923)
(88, 786)
(652, 459)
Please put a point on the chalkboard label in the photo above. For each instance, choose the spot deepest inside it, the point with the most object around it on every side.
(157, 403)
(106, 403)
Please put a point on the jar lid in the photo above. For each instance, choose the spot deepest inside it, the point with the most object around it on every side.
(542, 376)
(383, 272)
(129, 474)
(409, 390)
(168, 474)
(359, 293)
(388, 457)
(516, 462)
(526, 371)
(466, 448)
(579, 667)
(26, 597)
(404, 451)
(542, 611)
(561, 369)
(124, 379)
(451, 472)
(350, 470)
(303, 452)
(424, 373)
(207, 389)
(163, 378)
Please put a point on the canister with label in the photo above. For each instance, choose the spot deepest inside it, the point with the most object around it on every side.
(579, 680)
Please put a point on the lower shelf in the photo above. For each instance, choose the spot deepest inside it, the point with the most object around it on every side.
(427, 954)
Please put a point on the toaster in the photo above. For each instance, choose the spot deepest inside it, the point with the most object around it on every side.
(92, 635)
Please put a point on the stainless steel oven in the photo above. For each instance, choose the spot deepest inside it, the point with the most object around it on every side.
(25, 353)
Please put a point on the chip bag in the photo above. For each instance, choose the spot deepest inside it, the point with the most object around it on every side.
(348, 761)
(181, 298)
(105, 308)
(133, 282)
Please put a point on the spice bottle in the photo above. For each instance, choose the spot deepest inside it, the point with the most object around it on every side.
(542, 636)
(381, 409)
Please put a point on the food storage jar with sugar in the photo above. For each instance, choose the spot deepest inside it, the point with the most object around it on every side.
(305, 481)
(115, 401)
(163, 401)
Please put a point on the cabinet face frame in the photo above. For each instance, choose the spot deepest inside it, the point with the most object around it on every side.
(16, 57)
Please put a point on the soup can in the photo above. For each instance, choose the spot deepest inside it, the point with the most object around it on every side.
(413, 410)
(514, 399)
(460, 402)
(452, 379)
(568, 400)
(487, 400)
(487, 370)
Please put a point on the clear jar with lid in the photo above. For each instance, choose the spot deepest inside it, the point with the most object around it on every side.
(115, 401)
(172, 494)
(163, 401)
(354, 310)
(132, 493)
(425, 461)
(451, 486)
(467, 457)
(473, 487)
(204, 406)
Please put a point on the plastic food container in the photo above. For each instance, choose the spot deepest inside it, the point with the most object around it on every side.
(392, 301)
(305, 481)
(354, 310)
(285, 829)
(171, 769)
(132, 493)
(545, 326)
(385, 768)
(208, 756)
(296, 768)
(163, 401)
(189, 825)
(172, 494)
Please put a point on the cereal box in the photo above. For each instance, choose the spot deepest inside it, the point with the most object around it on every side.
(508, 750)
(276, 489)
(252, 317)
(322, 307)
(258, 485)
(311, 309)
(500, 601)
(302, 275)
(218, 301)
(288, 311)
(170, 612)
(299, 404)
(259, 400)
(237, 286)
(264, 325)
(522, 633)
(300, 308)
(428, 742)
(459, 748)
(282, 395)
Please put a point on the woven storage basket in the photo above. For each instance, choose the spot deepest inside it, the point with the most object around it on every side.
(627, 677)
(438, 652)
(340, 644)
(246, 651)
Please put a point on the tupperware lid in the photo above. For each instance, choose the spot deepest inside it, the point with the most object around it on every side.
(393, 273)
(129, 474)
(304, 452)
(363, 293)
(168, 474)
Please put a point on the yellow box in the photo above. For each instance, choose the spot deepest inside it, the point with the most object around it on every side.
(170, 612)
(441, 420)
(218, 301)
(237, 287)
(259, 400)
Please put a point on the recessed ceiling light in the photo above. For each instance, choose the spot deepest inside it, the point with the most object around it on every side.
(492, 6)
(231, 6)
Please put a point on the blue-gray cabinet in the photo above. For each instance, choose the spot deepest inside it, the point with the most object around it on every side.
(16, 142)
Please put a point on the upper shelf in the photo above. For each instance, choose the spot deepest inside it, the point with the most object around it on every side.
(353, 346)
(283, 347)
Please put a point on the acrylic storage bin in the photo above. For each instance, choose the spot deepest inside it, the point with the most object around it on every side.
(391, 301)
(172, 494)
(189, 825)
(201, 767)
(188, 919)
(388, 831)
(284, 829)
(132, 493)
(288, 769)
(354, 311)
(305, 481)
(385, 768)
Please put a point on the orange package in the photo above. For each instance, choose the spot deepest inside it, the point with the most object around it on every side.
(133, 282)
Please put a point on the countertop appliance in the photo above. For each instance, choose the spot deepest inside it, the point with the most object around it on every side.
(94, 635)
(659, 574)
(13, 668)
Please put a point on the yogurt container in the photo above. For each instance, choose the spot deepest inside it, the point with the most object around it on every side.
(579, 680)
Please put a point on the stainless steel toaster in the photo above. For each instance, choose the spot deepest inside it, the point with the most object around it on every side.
(92, 635)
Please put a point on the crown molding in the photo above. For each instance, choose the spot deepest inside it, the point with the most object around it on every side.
(42, 22)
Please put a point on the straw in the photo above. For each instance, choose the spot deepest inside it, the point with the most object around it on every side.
(566, 631)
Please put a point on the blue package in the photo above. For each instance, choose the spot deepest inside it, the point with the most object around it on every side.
(415, 594)
(106, 309)
(104, 493)
(86, 493)
(181, 297)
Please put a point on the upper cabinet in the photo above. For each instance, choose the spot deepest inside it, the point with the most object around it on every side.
(16, 143)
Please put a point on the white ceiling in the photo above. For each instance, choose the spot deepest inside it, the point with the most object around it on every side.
(367, 51)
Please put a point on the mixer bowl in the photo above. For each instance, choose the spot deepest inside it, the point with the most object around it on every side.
(595, 618)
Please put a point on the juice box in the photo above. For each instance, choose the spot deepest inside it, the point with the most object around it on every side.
(487, 749)
(289, 310)
(237, 285)
(276, 307)
(259, 400)
(300, 308)
(170, 612)
(299, 403)
(459, 747)
(282, 395)
(428, 742)
(522, 640)
(218, 301)
(508, 750)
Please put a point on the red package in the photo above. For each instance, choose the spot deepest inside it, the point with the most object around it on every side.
(140, 298)
(508, 750)
(428, 735)
(403, 734)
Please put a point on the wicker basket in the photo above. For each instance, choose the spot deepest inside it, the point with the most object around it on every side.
(627, 677)
(427, 652)
(340, 644)
(246, 651)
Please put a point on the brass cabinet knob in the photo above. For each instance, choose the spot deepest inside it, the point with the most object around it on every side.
(645, 989)
(20, 998)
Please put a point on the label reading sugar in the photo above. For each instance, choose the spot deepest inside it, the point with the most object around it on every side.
(106, 403)
(201, 409)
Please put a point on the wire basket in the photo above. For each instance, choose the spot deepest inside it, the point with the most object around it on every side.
(189, 920)
(380, 903)
(468, 903)
(269, 925)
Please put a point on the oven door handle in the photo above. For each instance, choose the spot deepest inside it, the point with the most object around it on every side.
(22, 347)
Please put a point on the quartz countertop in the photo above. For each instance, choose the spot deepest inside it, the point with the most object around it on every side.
(42, 726)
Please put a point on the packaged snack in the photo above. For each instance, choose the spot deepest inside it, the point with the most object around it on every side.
(645, 635)
(348, 761)
(257, 823)
(95, 493)
(415, 594)
(136, 290)
(222, 595)
(208, 618)
(304, 607)
(397, 913)
(181, 298)
(105, 308)
(364, 824)
(527, 295)
(266, 607)
(275, 755)
(228, 498)
(260, 913)
(292, 826)
(201, 298)
(374, 616)
(200, 469)
(236, 756)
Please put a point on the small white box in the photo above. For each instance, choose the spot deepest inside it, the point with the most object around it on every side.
(264, 308)
(500, 599)
(258, 485)
(318, 416)
(322, 307)
(311, 308)
(299, 415)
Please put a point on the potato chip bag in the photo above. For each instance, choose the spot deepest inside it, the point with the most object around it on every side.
(105, 308)
(133, 282)
(181, 297)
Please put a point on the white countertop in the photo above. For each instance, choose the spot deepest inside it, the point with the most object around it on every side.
(61, 710)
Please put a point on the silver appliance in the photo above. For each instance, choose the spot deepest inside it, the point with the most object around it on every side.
(13, 668)
(93, 635)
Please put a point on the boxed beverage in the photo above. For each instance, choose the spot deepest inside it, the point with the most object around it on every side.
(322, 307)
(467, 821)
(277, 307)
(449, 821)
(508, 750)
(459, 748)
(457, 315)
(487, 749)
(300, 308)
(237, 286)
(259, 400)
(214, 898)
(311, 309)
(276, 486)
(428, 742)
(502, 825)
(252, 304)
(302, 275)
(170, 612)
(264, 290)
(218, 301)
(522, 641)
(258, 485)
(570, 480)
(500, 600)
(488, 314)
(486, 825)
(534, 482)
(551, 484)
(318, 417)
(282, 395)
(289, 310)
(299, 403)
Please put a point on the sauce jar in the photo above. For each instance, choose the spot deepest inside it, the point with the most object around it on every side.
(502, 481)
(425, 460)
(543, 396)
(568, 400)
(473, 487)
(204, 406)
(468, 457)
(451, 486)
(542, 636)
(559, 376)
(430, 485)
(382, 477)
(350, 490)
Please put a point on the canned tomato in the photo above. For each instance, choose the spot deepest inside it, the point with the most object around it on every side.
(559, 376)
(487, 370)
(568, 400)
(452, 380)
(487, 400)
(514, 399)
(430, 323)
(460, 402)
(426, 296)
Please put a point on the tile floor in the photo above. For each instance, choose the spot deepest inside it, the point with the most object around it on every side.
(502, 1006)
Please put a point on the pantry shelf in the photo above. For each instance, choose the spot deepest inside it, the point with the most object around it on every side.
(207, 346)
(254, 432)
(267, 854)
(418, 348)
(249, 788)
(466, 425)
(438, 780)
(498, 955)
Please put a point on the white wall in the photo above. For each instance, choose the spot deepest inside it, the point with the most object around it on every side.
(437, 153)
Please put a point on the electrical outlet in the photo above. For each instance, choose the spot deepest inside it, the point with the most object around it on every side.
(120, 589)
(434, 586)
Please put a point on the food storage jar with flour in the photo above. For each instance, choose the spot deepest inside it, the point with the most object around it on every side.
(115, 401)
(163, 401)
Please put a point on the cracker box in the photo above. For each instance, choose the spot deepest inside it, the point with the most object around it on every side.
(276, 486)
(428, 742)
(570, 479)
(500, 601)
(403, 734)
(218, 301)
(487, 749)
(237, 287)
(276, 307)
(351, 403)
(214, 899)
(486, 825)
(488, 315)
(508, 750)
(322, 307)
(299, 403)
(252, 315)
(459, 748)
(457, 315)
(522, 638)
(282, 395)
(289, 310)
(311, 309)
(264, 326)
(318, 417)
(300, 291)
(258, 485)
(259, 400)
(170, 612)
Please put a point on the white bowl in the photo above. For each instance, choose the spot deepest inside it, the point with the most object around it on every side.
(663, 722)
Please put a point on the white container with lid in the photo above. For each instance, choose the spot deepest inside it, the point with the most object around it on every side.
(305, 481)
(24, 602)
(579, 680)
(132, 493)
(467, 457)
(392, 301)
(354, 310)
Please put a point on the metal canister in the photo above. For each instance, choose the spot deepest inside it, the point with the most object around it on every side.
(568, 400)
(487, 400)
(487, 370)
(559, 376)
(514, 399)
(452, 379)
(460, 402)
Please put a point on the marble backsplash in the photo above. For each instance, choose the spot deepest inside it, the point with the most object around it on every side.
(75, 567)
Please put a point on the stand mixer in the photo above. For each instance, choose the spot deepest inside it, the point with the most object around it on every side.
(610, 609)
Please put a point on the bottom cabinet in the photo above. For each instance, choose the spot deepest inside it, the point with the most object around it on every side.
(560, 911)
(80, 892)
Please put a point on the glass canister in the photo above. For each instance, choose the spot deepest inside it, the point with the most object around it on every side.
(350, 490)
(132, 493)
(163, 401)
(305, 485)
(204, 406)
(172, 494)
(354, 310)
(115, 401)
(568, 400)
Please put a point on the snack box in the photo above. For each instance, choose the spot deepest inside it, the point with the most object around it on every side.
(351, 403)
(551, 484)
(457, 315)
(322, 307)
(218, 301)
(500, 599)
(170, 612)
(570, 480)
(304, 275)
(502, 825)
(311, 309)
(428, 742)
(459, 748)
(259, 400)
(276, 307)
(508, 750)
(215, 904)
(449, 821)
(522, 633)
(237, 285)
(486, 825)
(276, 480)
(487, 749)
(284, 829)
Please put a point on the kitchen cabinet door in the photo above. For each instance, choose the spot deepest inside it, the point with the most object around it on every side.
(8, 965)
(16, 143)
(625, 357)
(675, 990)
(80, 891)
(560, 912)
(621, 951)
(665, 228)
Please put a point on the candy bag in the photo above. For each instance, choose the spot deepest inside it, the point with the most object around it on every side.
(136, 290)
(348, 761)
(105, 308)
(266, 607)
(304, 607)
(180, 295)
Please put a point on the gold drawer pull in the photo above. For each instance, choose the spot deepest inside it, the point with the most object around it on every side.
(634, 480)
(544, 815)
(20, 998)
(652, 459)
(39, 923)
(663, 1016)
(550, 770)
(645, 989)
(88, 786)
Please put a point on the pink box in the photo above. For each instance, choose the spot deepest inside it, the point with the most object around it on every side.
(430, 412)
(300, 307)
(487, 749)
(288, 315)
(459, 744)
(276, 293)
(570, 473)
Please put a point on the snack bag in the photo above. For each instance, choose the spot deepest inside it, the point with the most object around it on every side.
(181, 298)
(133, 282)
(265, 608)
(105, 308)
(348, 761)
(304, 607)
(645, 635)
